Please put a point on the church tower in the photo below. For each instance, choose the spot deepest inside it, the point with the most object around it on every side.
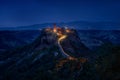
(55, 28)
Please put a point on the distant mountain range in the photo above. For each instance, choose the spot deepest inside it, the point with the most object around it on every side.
(83, 25)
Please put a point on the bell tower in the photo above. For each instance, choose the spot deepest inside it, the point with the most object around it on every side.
(54, 28)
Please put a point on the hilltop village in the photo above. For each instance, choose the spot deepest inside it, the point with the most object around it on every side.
(58, 30)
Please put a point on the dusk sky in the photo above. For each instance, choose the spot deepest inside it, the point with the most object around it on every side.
(28, 12)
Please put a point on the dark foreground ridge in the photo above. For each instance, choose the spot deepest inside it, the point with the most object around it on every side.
(59, 54)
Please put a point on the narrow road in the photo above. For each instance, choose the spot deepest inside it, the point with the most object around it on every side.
(62, 50)
(59, 40)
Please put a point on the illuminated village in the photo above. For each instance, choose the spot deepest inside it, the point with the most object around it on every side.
(58, 30)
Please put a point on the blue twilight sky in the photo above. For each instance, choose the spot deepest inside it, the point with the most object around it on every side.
(28, 12)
